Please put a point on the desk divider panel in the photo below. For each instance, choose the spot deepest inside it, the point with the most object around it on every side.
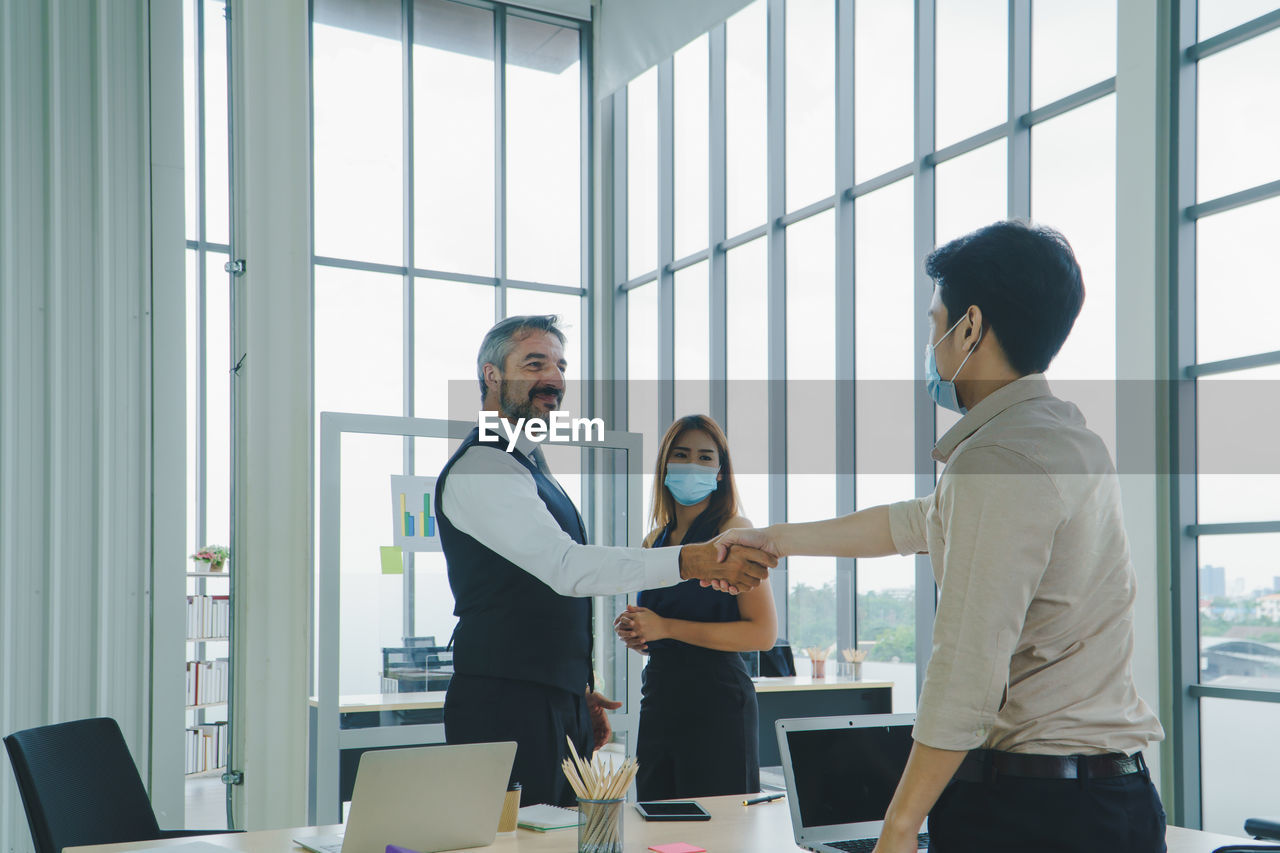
(377, 687)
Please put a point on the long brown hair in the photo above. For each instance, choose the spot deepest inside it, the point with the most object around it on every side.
(723, 505)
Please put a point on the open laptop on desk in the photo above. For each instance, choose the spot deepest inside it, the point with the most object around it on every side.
(425, 798)
(841, 773)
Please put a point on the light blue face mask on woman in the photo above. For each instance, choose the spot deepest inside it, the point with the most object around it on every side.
(689, 483)
(943, 391)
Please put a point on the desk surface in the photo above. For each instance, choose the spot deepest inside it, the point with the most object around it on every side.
(357, 703)
(805, 682)
(765, 828)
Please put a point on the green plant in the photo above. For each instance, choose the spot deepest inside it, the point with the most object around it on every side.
(214, 555)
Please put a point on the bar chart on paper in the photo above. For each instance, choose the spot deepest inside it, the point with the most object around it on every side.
(413, 517)
(425, 526)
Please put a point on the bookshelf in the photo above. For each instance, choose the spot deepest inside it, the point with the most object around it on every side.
(205, 705)
(208, 650)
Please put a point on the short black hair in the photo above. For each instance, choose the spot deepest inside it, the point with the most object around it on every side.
(1025, 280)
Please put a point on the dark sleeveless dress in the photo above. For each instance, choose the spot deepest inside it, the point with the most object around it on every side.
(698, 716)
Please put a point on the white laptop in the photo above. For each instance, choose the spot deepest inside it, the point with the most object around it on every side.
(841, 773)
(424, 798)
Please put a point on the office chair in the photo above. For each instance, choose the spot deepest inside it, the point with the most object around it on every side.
(778, 661)
(1262, 829)
(79, 785)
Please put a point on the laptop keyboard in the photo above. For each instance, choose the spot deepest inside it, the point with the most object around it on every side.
(866, 845)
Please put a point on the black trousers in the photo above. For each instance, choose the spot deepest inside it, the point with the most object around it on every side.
(699, 734)
(1119, 814)
(537, 717)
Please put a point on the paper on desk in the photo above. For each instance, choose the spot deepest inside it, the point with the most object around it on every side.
(543, 817)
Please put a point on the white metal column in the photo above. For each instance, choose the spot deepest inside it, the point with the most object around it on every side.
(1142, 312)
(169, 414)
(272, 433)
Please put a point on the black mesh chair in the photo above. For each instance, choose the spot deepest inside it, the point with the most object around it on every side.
(79, 785)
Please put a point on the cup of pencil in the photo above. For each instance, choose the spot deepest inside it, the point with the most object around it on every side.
(853, 659)
(600, 825)
(602, 792)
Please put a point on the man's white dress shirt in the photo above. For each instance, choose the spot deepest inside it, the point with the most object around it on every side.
(490, 496)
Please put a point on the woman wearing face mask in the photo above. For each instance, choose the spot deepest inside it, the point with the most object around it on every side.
(698, 717)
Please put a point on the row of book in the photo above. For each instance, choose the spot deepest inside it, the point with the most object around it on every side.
(206, 747)
(207, 681)
(208, 616)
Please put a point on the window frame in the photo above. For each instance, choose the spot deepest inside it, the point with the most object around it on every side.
(1185, 530)
(410, 272)
(1015, 128)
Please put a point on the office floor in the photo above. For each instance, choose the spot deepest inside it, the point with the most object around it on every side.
(206, 802)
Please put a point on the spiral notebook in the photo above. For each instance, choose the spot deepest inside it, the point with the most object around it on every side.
(545, 818)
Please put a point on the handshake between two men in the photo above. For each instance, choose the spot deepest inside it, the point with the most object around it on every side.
(735, 561)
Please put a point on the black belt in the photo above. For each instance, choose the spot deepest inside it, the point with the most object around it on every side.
(989, 764)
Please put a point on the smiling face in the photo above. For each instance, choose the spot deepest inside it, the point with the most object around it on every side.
(531, 382)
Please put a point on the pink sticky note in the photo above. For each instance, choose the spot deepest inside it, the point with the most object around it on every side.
(677, 847)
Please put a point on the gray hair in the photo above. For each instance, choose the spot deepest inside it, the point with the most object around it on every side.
(500, 340)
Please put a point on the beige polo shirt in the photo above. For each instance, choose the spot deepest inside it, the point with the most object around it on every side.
(1033, 639)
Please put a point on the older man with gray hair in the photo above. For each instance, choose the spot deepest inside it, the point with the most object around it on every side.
(522, 574)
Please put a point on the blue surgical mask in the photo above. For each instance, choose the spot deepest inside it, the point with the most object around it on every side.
(689, 483)
(943, 391)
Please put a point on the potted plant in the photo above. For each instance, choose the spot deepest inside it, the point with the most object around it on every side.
(214, 555)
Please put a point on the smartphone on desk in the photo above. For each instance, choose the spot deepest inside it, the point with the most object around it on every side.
(672, 810)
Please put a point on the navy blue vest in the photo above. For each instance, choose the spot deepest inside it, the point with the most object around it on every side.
(493, 600)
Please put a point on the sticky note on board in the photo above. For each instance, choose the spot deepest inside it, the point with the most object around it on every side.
(392, 559)
(677, 847)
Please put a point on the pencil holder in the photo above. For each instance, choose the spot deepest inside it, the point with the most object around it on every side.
(600, 825)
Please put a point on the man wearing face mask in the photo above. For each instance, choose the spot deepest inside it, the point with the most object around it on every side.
(522, 574)
(1029, 728)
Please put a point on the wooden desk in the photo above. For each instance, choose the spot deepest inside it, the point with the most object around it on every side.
(778, 698)
(733, 828)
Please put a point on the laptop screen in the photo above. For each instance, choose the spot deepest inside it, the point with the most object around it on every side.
(847, 774)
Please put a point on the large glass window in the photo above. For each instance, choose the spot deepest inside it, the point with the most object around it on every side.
(972, 67)
(208, 380)
(746, 97)
(811, 422)
(886, 357)
(803, 310)
(1228, 515)
(449, 176)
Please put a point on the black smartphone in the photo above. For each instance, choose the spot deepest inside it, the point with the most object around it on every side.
(672, 810)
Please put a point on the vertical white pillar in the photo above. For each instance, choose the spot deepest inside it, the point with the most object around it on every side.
(169, 418)
(271, 192)
(1142, 314)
